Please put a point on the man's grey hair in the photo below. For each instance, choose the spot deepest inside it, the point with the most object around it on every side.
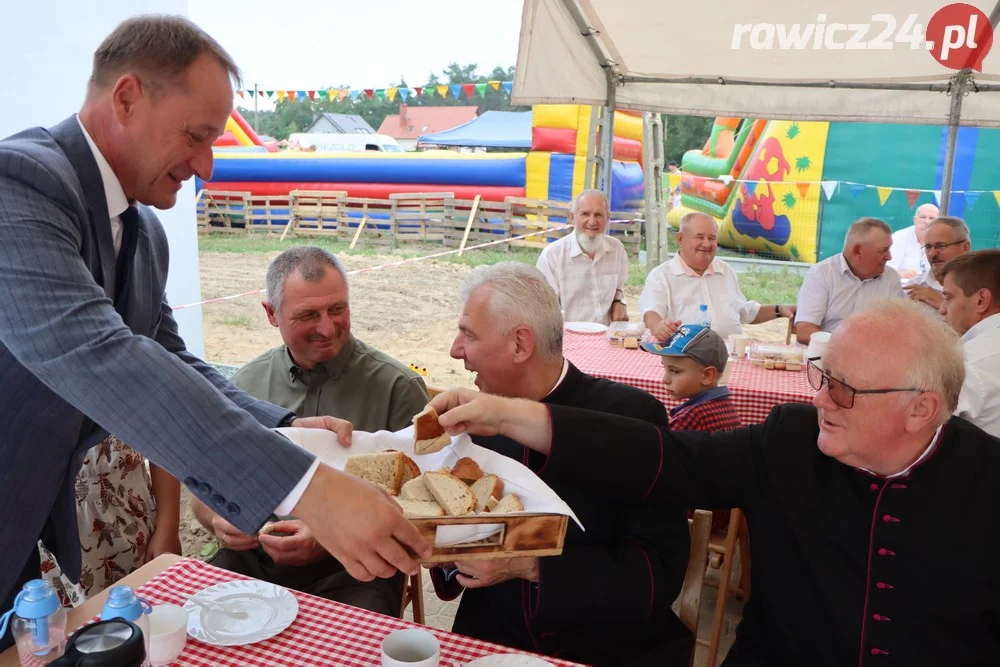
(958, 226)
(590, 193)
(861, 228)
(520, 296)
(310, 262)
(929, 351)
(158, 47)
(694, 215)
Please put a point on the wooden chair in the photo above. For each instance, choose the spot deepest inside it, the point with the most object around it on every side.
(694, 578)
(722, 548)
(413, 591)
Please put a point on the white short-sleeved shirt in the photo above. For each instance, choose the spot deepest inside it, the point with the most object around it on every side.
(979, 401)
(674, 292)
(831, 292)
(585, 287)
(907, 255)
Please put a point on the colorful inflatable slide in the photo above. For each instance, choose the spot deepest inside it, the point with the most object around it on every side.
(553, 169)
(790, 189)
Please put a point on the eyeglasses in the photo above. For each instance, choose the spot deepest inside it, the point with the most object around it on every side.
(841, 393)
(940, 246)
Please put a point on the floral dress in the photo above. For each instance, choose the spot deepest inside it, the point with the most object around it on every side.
(116, 515)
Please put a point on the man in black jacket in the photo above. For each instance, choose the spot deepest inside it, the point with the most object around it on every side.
(871, 513)
(606, 600)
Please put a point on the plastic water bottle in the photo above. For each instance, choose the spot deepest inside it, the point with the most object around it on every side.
(703, 316)
(38, 623)
(125, 604)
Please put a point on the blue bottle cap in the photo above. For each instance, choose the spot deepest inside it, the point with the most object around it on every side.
(37, 599)
(123, 603)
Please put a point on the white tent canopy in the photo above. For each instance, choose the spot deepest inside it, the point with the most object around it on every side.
(722, 57)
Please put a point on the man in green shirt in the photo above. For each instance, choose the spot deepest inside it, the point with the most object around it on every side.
(321, 369)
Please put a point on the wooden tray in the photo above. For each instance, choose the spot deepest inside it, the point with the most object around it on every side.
(520, 535)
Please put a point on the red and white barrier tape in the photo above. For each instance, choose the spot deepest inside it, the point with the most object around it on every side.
(401, 262)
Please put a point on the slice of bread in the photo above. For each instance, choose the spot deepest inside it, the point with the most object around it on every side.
(491, 503)
(385, 469)
(410, 469)
(509, 503)
(467, 470)
(416, 489)
(485, 487)
(428, 434)
(420, 508)
(452, 494)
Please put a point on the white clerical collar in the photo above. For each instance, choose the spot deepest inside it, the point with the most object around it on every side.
(562, 376)
(907, 469)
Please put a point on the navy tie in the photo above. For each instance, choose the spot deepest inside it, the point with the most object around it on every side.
(126, 255)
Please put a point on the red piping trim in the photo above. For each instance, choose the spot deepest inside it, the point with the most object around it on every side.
(868, 574)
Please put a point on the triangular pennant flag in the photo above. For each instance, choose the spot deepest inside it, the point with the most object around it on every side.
(369, 92)
(996, 195)
(456, 89)
(971, 198)
(354, 94)
(442, 91)
(726, 178)
(508, 85)
(495, 85)
(481, 89)
(429, 91)
(261, 93)
(957, 198)
(404, 93)
(380, 93)
(312, 95)
(240, 93)
(332, 94)
(883, 194)
(803, 189)
(343, 93)
(391, 93)
(290, 94)
(270, 94)
(911, 197)
(828, 188)
(674, 180)
(937, 197)
(751, 186)
(281, 95)
(469, 88)
(418, 90)
(857, 189)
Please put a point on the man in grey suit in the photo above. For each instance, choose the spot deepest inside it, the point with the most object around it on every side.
(88, 343)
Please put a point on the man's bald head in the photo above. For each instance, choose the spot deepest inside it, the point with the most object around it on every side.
(924, 216)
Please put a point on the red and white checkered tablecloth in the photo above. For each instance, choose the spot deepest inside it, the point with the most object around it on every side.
(324, 633)
(754, 390)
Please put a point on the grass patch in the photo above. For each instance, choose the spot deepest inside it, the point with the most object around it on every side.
(771, 286)
(244, 321)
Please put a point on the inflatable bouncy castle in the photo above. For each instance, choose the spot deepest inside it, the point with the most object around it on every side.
(790, 189)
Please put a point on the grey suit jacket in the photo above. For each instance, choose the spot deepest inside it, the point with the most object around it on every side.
(73, 367)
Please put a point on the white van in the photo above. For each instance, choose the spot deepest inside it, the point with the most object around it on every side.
(344, 143)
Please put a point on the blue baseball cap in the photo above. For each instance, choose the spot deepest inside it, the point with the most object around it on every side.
(696, 341)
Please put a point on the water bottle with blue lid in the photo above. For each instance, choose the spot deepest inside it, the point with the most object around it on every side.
(125, 604)
(703, 316)
(38, 623)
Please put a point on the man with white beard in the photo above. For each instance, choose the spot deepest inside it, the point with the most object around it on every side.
(588, 269)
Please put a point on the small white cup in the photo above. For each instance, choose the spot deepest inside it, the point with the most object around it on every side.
(411, 648)
(817, 345)
(739, 343)
(167, 634)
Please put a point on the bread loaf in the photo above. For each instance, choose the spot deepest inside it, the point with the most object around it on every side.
(467, 470)
(385, 469)
(451, 493)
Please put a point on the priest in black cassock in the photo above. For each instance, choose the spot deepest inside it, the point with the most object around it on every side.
(605, 601)
(872, 513)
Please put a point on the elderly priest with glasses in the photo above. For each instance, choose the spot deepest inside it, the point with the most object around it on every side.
(871, 512)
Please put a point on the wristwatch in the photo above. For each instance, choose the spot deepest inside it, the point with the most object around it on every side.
(621, 301)
(287, 420)
(777, 310)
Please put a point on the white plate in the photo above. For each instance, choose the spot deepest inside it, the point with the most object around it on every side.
(269, 608)
(585, 327)
(509, 660)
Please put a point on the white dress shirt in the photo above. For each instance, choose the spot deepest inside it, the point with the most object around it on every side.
(674, 292)
(980, 398)
(585, 287)
(831, 292)
(927, 278)
(907, 255)
(117, 203)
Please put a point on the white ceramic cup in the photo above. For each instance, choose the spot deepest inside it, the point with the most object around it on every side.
(817, 345)
(167, 634)
(411, 648)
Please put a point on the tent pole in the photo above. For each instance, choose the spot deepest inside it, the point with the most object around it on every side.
(609, 136)
(954, 114)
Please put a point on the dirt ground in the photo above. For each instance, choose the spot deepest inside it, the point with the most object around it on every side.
(409, 312)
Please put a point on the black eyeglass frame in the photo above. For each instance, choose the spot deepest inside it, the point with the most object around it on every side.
(826, 378)
(940, 246)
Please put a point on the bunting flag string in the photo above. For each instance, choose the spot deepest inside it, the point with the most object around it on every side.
(456, 90)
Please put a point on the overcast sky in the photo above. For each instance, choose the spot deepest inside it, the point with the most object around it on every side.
(359, 43)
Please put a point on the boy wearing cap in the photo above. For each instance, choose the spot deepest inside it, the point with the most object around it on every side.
(694, 359)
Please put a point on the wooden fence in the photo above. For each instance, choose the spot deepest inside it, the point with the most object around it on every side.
(435, 217)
